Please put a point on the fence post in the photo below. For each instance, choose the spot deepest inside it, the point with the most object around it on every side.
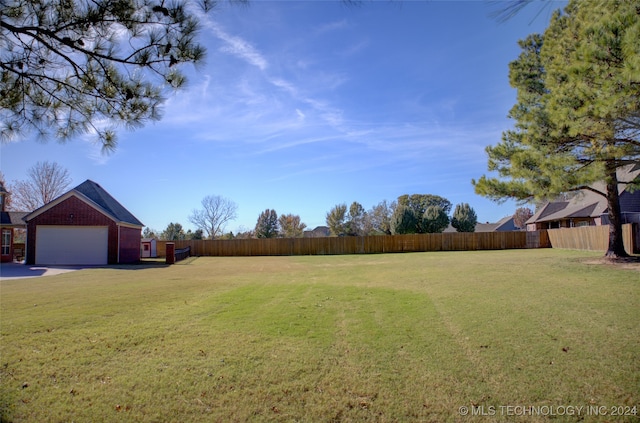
(171, 252)
(631, 236)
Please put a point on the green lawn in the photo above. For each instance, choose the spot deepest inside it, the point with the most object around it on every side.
(384, 338)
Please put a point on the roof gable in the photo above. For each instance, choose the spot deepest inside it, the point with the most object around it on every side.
(506, 224)
(95, 196)
(548, 209)
(588, 211)
(104, 200)
(480, 227)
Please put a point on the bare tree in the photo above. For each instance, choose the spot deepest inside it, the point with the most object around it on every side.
(379, 217)
(7, 198)
(46, 181)
(521, 216)
(215, 213)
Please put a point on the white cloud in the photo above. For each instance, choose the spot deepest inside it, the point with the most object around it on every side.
(285, 85)
(239, 47)
(94, 148)
(355, 48)
(273, 111)
(332, 26)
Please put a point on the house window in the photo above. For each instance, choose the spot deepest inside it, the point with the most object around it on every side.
(582, 224)
(6, 242)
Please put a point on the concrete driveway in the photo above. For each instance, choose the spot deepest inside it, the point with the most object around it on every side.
(19, 270)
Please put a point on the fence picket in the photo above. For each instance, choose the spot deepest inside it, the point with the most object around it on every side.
(586, 238)
(360, 245)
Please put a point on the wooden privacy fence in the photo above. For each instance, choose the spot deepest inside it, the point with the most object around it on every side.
(362, 245)
(595, 238)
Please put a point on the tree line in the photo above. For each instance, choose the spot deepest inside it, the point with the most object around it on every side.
(416, 213)
(409, 214)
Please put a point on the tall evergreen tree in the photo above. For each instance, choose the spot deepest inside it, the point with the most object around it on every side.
(578, 110)
(404, 221)
(419, 203)
(66, 66)
(435, 220)
(267, 226)
(173, 232)
(464, 218)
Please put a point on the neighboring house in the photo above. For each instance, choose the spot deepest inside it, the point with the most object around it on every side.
(504, 224)
(318, 232)
(85, 226)
(9, 221)
(148, 248)
(588, 208)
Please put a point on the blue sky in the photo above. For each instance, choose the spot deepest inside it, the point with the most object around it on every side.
(302, 105)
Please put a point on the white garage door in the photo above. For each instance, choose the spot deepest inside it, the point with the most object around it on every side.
(71, 244)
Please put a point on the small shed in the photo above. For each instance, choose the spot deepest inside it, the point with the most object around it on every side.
(148, 248)
(85, 226)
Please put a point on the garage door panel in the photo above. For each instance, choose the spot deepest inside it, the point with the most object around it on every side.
(78, 245)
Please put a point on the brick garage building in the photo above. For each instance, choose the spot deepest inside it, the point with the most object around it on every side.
(85, 226)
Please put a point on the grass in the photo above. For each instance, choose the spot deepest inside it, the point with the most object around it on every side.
(403, 337)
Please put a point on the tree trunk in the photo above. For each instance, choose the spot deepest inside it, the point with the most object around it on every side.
(616, 244)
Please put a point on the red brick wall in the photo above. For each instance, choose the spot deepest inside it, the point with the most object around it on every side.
(130, 239)
(74, 212)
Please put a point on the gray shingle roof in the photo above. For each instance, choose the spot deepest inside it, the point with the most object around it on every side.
(106, 202)
(12, 218)
(586, 203)
(503, 225)
(506, 224)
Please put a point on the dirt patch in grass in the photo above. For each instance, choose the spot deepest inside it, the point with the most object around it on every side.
(629, 263)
